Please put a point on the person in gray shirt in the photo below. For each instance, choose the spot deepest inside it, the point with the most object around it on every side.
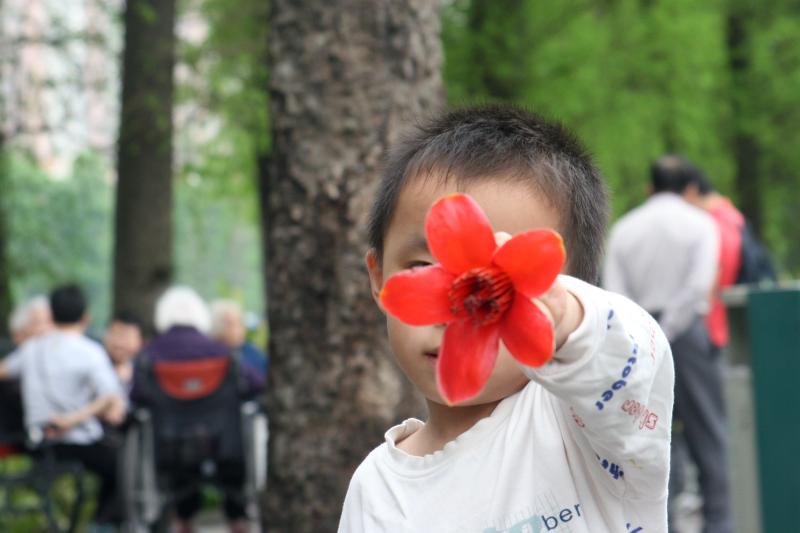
(664, 255)
(68, 387)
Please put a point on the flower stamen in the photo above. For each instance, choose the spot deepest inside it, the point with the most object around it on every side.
(482, 294)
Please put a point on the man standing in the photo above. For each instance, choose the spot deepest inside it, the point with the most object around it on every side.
(68, 387)
(664, 256)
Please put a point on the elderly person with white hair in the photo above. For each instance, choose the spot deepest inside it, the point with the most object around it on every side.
(227, 327)
(182, 321)
(30, 319)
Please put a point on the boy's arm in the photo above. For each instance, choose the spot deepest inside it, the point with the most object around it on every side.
(612, 377)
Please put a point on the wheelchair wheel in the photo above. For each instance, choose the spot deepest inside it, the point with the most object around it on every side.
(139, 494)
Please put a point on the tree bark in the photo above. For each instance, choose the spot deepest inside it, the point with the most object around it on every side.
(745, 147)
(143, 231)
(6, 301)
(346, 75)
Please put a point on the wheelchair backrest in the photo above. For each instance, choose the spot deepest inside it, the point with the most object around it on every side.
(191, 380)
(195, 406)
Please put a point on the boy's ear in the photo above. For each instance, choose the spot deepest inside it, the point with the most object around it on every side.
(375, 275)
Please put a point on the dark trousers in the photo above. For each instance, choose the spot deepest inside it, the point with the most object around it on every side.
(101, 459)
(230, 479)
(700, 413)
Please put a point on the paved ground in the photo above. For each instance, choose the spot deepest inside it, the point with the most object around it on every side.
(214, 522)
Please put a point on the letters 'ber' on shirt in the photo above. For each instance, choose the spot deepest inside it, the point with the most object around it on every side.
(583, 447)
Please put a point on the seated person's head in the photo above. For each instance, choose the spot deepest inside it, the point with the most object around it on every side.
(30, 319)
(524, 171)
(181, 306)
(227, 324)
(123, 339)
(68, 306)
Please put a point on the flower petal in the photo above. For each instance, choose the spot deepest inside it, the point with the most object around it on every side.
(459, 234)
(527, 332)
(532, 260)
(466, 359)
(418, 296)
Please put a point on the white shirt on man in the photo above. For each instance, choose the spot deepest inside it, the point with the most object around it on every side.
(584, 447)
(61, 372)
(664, 255)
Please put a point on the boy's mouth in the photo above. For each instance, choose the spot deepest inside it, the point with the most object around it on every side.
(431, 355)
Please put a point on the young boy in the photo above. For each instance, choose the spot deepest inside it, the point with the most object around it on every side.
(580, 444)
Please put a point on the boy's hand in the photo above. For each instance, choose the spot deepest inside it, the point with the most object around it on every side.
(560, 305)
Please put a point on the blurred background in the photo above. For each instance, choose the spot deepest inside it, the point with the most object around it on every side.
(233, 146)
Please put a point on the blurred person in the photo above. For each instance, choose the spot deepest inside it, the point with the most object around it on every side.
(68, 388)
(182, 322)
(30, 319)
(730, 223)
(123, 341)
(227, 327)
(664, 256)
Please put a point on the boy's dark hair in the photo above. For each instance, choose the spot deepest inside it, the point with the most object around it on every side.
(68, 304)
(508, 142)
(128, 317)
(672, 173)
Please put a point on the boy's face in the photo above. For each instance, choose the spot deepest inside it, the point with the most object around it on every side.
(511, 207)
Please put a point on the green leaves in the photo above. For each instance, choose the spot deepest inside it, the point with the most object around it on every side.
(60, 229)
(637, 79)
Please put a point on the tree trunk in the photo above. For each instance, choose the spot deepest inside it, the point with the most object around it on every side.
(143, 238)
(746, 150)
(346, 75)
(6, 302)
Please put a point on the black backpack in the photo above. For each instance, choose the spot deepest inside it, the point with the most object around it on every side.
(756, 264)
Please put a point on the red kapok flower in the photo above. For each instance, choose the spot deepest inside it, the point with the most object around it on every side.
(481, 291)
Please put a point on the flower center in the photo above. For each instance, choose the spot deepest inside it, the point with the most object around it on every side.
(482, 294)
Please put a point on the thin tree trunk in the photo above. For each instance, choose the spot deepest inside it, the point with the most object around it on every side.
(6, 302)
(746, 150)
(143, 238)
(345, 76)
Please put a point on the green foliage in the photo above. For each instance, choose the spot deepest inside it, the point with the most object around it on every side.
(217, 217)
(60, 230)
(637, 79)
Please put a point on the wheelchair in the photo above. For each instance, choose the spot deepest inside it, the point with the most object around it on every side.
(28, 465)
(193, 422)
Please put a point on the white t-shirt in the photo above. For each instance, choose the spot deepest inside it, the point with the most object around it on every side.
(62, 372)
(584, 447)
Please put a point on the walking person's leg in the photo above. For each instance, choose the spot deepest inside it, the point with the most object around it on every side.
(699, 403)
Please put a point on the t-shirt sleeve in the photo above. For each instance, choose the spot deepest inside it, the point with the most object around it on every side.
(12, 363)
(102, 375)
(613, 383)
(354, 512)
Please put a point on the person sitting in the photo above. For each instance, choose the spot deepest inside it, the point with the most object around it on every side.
(227, 327)
(182, 320)
(30, 319)
(123, 341)
(68, 387)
